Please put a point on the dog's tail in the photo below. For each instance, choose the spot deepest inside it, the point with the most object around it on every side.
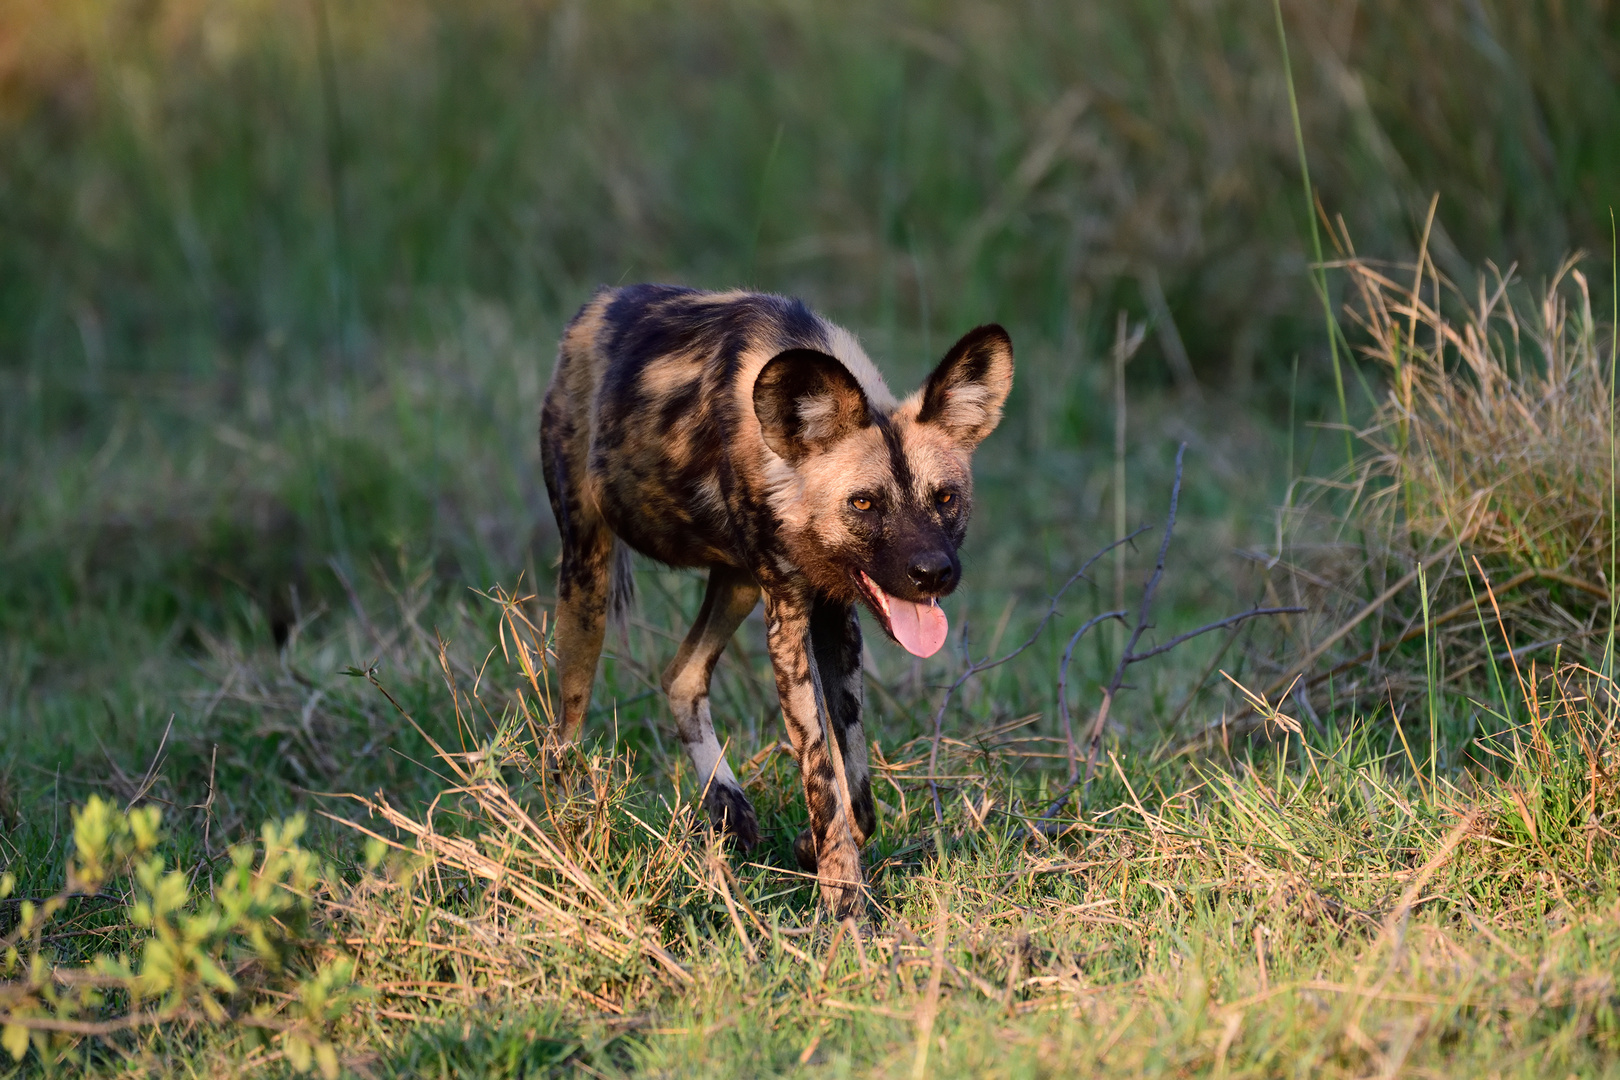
(621, 588)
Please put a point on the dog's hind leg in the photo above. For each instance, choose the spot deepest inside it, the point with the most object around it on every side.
(582, 610)
(584, 580)
(835, 645)
(731, 595)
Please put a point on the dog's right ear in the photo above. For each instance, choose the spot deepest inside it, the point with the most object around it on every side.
(965, 394)
(806, 401)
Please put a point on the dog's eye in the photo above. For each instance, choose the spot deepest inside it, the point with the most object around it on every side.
(945, 498)
(861, 503)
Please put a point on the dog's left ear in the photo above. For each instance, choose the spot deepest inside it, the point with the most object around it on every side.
(965, 393)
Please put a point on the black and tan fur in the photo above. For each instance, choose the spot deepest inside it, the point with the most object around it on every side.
(743, 433)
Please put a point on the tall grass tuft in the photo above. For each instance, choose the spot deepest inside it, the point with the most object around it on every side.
(1479, 501)
(1494, 434)
(537, 867)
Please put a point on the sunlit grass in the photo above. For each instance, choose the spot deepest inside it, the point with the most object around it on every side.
(1311, 904)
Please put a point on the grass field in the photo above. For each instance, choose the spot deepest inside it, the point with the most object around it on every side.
(279, 287)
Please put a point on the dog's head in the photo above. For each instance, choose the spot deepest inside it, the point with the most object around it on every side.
(874, 501)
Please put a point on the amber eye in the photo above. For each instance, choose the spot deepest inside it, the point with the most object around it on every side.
(861, 503)
(945, 498)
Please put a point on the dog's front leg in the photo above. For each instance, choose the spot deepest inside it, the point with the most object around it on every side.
(838, 853)
(835, 644)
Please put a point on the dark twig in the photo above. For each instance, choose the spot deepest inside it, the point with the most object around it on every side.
(985, 665)
(1130, 655)
(1230, 620)
(1063, 686)
(1203, 677)
(1125, 656)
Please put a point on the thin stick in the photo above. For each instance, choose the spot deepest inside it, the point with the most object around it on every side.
(1129, 655)
(1614, 454)
(1063, 688)
(1318, 273)
(1230, 620)
(1148, 592)
(1125, 346)
(1119, 460)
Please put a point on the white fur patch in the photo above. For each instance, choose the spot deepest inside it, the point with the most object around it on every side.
(847, 349)
(707, 757)
(967, 405)
(818, 417)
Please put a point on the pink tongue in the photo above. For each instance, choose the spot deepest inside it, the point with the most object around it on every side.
(920, 628)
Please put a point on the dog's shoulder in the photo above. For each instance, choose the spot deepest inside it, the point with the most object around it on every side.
(731, 333)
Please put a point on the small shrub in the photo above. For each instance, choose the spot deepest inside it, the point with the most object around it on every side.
(238, 954)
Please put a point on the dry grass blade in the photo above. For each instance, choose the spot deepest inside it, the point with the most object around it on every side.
(536, 875)
(930, 1005)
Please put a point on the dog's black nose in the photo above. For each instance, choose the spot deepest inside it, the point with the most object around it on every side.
(931, 571)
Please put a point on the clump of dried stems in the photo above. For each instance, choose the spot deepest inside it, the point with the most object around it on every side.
(515, 880)
(1488, 463)
(1496, 431)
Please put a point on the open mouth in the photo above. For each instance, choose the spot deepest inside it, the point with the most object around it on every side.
(920, 628)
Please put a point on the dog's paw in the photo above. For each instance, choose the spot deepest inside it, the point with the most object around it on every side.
(838, 871)
(731, 813)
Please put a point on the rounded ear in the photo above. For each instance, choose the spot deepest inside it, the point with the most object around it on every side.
(965, 393)
(805, 401)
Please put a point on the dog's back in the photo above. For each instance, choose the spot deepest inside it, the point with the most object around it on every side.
(650, 407)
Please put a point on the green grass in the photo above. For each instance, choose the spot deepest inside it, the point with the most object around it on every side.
(1311, 906)
(279, 289)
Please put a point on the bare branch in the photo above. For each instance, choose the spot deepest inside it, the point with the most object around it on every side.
(1252, 613)
(1063, 686)
(1148, 592)
(1129, 655)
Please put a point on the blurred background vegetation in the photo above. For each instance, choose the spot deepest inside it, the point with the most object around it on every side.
(280, 281)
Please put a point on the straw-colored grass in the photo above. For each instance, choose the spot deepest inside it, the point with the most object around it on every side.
(564, 892)
(1476, 526)
(1495, 434)
(1310, 909)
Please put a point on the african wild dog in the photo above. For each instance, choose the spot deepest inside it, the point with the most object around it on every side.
(743, 433)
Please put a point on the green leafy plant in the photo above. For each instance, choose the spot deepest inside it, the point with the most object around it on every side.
(238, 954)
